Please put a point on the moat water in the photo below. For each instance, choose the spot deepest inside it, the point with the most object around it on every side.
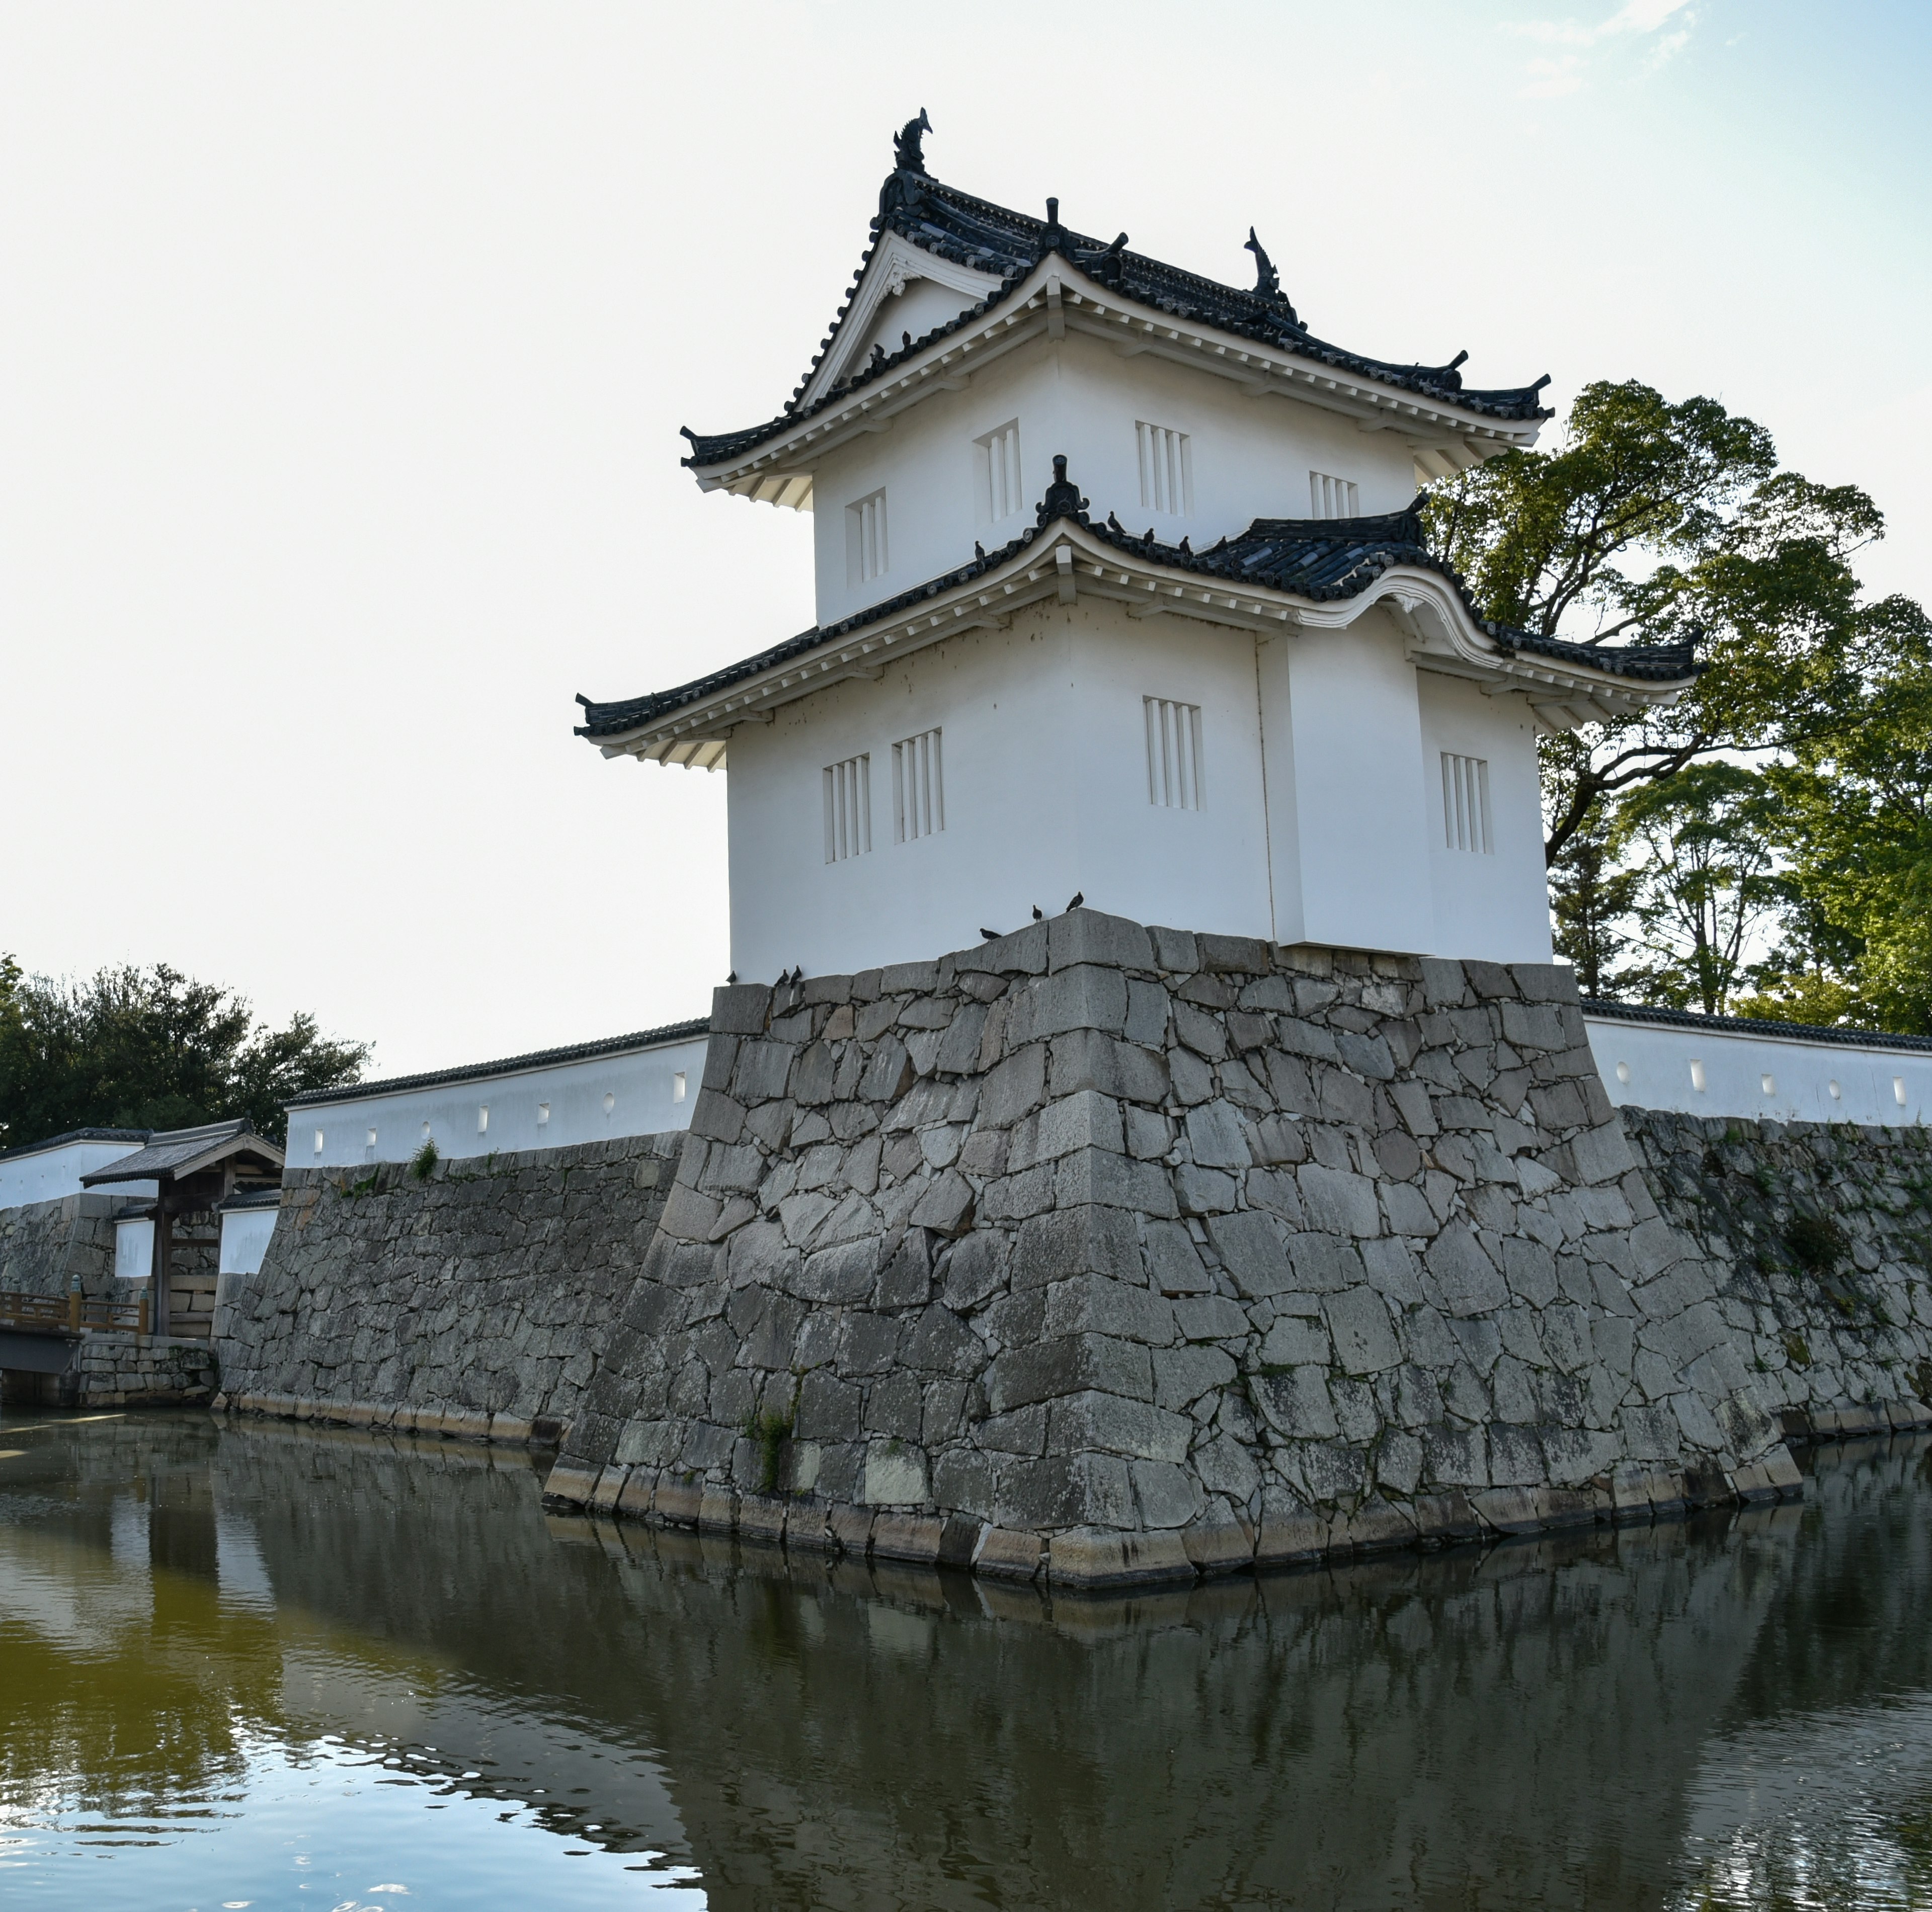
(265, 1667)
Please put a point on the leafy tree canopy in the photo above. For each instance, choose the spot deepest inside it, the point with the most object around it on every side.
(1672, 521)
(132, 1048)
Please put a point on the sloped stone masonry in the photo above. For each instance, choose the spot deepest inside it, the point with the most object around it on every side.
(51, 1247)
(1117, 1253)
(1818, 1242)
(473, 1303)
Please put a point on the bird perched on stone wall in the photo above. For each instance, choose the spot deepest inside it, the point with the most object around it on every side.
(991, 935)
(1038, 914)
(1079, 898)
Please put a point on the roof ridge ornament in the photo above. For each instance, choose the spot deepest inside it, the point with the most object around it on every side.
(1268, 280)
(908, 145)
(1054, 239)
(1063, 499)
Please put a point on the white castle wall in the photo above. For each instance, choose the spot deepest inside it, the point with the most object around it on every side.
(1321, 817)
(48, 1174)
(1721, 1069)
(520, 1105)
(1247, 458)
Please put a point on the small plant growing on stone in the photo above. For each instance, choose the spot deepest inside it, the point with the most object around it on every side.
(770, 1431)
(1797, 1349)
(422, 1166)
(1921, 1380)
(1817, 1243)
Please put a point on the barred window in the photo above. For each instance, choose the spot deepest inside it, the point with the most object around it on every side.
(1167, 469)
(1174, 781)
(1465, 804)
(919, 792)
(848, 808)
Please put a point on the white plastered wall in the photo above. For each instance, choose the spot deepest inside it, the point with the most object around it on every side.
(1249, 457)
(1347, 808)
(244, 1239)
(638, 1092)
(1774, 1078)
(1044, 749)
(47, 1175)
(1495, 905)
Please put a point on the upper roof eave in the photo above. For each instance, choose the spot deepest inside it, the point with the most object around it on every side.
(1220, 341)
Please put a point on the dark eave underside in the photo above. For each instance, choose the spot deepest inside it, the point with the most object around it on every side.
(1319, 559)
(974, 232)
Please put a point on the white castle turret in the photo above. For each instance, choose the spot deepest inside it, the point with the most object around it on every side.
(1119, 592)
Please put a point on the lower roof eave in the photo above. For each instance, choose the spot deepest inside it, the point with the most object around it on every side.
(1068, 560)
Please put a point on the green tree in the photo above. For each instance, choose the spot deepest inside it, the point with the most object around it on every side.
(1854, 824)
(1702, 841)
(132, 1048)
(1591, 899)
(1672, 520)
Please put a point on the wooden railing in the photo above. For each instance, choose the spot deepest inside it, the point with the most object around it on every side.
(70, 1314)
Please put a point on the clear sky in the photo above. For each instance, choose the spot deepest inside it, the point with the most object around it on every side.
(342, 352)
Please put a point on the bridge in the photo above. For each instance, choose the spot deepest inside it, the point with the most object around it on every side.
(41, 1334)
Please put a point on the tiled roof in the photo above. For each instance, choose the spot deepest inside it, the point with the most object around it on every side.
(181, 1151)
(1850, 1038)
(1007, 245)
(1321, 560)
(75, 1135)
(577, 1052)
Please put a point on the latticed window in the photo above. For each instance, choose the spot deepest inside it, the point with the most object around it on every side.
(999, 492)
(866, 555)
(1167, 469)
(919, 792)
(1465, 804)
(848, 808)
(1175, 780)
(1333, 497)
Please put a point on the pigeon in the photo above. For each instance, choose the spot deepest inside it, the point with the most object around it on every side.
(1113, 524)
(733, 977)
(1187, 550)
(1079, 898)
(979, 550)
(1038, 914)
(907, 338)
(991, 935)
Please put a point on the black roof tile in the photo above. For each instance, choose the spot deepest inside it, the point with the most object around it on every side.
(955, 226)
(1321, 560)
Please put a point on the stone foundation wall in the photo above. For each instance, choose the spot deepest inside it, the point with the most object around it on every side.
(47, 1246)
(1818, 1241)
(474, 1303)
(115, 1370)
(1113, 1253)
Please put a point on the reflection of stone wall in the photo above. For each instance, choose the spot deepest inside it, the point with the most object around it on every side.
(475, 1303)
(1119, 1253)
(1520, 1724)
(1818, 1240)
(48, 1247)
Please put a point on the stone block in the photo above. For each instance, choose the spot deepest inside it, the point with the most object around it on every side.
(1097, 1177)
(895, 1475)
(1358, 1321)
(914, 1537)
(570, 1486)
(1251, 1249)
(1004, 1554)
(1076, 1240)
(1094, 1557)
(1091, 1422)
(1445, 1518)
(850, 1528)
(1209, 1317)
(740, 1009)
(1088, 935)
(1062, 1491)
(1082, 996)
(1291, 1532)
